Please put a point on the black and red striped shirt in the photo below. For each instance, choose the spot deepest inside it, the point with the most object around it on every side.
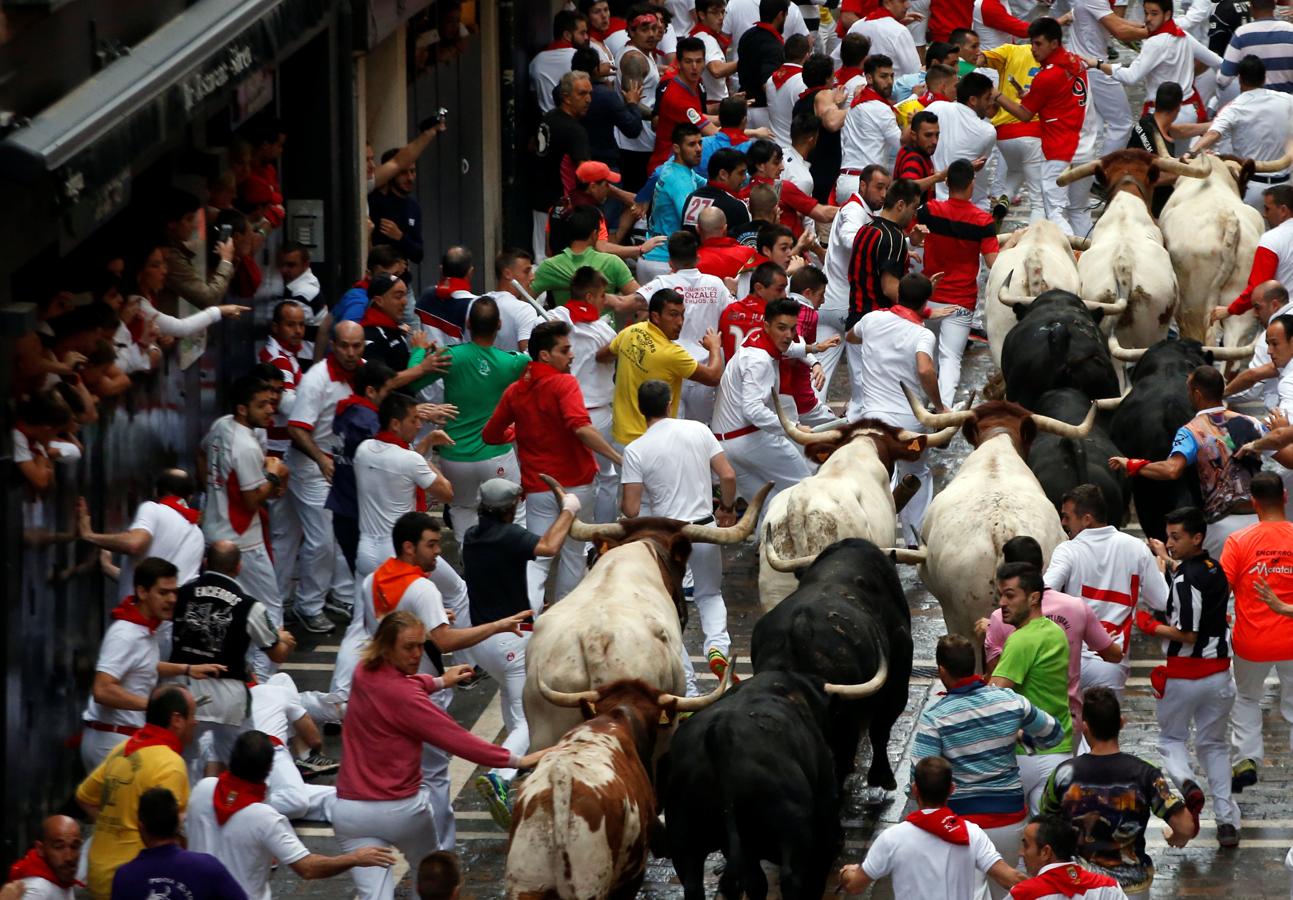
(913, 164)
(880, 248)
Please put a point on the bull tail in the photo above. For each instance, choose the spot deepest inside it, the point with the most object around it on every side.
(1124, 282)
(1058, 340)
(1224, 260)
(718, 743)
(1034, 278)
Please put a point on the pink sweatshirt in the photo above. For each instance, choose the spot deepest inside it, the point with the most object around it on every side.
(388, 719)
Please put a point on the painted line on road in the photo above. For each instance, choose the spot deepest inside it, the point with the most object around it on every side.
(307, 667)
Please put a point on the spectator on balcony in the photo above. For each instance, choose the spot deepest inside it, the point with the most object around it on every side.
(36, 365)
(179, 272)
(151, 272)
(39, 419)
(396, 216)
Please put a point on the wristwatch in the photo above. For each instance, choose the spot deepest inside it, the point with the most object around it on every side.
(273, 479)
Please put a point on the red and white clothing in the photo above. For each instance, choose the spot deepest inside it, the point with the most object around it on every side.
(783, 88)
(1058, 97)
(1111, 571)
(129, 653)
(851, 79)
(235, 463)
(704, 299)
(1089, 38)
(285, 361)
(389, 479)
(174, 535)
(38, 879)
(995, 25)
(590, 333)
(715, 52)
(927, 866)
(677, 102)
(853, 214)
(276, 705)
(892, 39)
(1272, 259)
(546, 69)
(870, 135)
(797, 173)
(1068, 881)
(742, 15)
(1169, 54)
(317, 395)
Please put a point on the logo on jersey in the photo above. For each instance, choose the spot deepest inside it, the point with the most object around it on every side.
(695, 206)
(1079, 91)
(693, 115)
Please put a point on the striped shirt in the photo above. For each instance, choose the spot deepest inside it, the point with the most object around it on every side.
(913, 164)
(973, 726)
(1271, 41)
(1197, 603)
(880, 248)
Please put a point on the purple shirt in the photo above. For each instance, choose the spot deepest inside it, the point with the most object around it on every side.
(1080, 624)
(171, 871)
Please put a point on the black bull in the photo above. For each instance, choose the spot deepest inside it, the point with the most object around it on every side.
(1062, 463)
(1056, 343)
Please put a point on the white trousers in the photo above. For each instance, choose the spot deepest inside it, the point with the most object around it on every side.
(1023, 165)
(435, 781)
(1205, 702)
(290, 795)
(407, 824)
(760, 457)
(542, 511)
(697, 402)
(320, 563)
(912, 516)
(1007, 839)
(1098, 673)
(830, 322)
(503, 657)
(285, 531)
(845, 186)
(539, 235)
(1246, 716)
(953, 332)
(256, 577)
(1110, 100)
(96, 745)
(706, 565)
(1068, 207)
(467, 477)
(1034, 771)
(1218, 531)
(606, 507)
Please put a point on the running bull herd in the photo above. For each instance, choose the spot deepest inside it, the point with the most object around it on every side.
(756, 771)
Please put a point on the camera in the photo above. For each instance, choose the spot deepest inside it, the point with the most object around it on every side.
(427, 124)
(223, 233)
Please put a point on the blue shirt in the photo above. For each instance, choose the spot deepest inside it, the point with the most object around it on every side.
(170, 871)
(355, 424)
(711, 144)
(351, 306)
(674, 186)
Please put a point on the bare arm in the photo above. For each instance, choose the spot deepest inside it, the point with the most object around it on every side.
(133, 543)
(107, 691)
(1113, 653)
(1005, 874)
(441, 488)
(726, 480)
(316, 865)
(1249, 377)
(928, 375)
(404, 159)
(555, 536)
(447, 638)
(591, 438)
(303, 440)
(1168, 469)
(1015, 108)
(1123, 30)
(631, 503)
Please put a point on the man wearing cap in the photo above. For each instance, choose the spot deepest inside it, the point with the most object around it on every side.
(495, 554)
(387, 341)
(594, 184)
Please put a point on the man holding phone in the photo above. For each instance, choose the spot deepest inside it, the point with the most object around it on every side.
(495, 554)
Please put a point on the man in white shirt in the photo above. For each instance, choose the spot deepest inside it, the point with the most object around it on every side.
(1258, 124)
(229, 818)
(785, 86)
(898, 351)
(704, 298)
(48, 871)
(966, 132)
(890, 37)
(1049, 851)
(165, 528)
(870, 133)
(744, 420)
(1273, 258)
(710, 15)
(517, 316)
(594, 369)
(667, 472)
(1094, 22)
(933, 854)
(1260, 381)
(280, 710)
(742, 15)
(1111, 571)
(856, 211)
(569, 32)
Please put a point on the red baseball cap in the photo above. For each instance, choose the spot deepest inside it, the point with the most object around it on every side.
(593, 171)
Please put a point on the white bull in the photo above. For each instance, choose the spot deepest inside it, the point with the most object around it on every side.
(621, 621)
(993, 498)
(1032, 260)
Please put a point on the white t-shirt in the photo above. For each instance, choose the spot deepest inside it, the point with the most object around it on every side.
(516, 320)
(546, 70)
(596, 379)
(742, 15)
(129, 653)
(1257, 122)
(424, 600)
(1111, 571)
(890, 38)
(174, 538)
(798, 173)
(317, 397)
(247, 843)
(704, 298)
(235, 463)
(870, 135)
(23, 450)
(385, 478)
(274, 707)
(1087, 36)
(962, 135)
(853, 214)
(683, 12)
(888, 361)
(715, 88)
(781, 102)
(671, 460)
(925, 867)
(44, 889)
(1268, 389)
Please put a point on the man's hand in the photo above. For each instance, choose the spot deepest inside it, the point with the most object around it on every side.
(287, 639)
(206, 670)
(979, 162)
(1174, 838)
(512, 624)
(1066, 19)
(981, 628)
(435, 361)
(390, 229)
(839, 95)
(711, 341)
(232, 310)
(912, 17)
(652, 242)
(456, 675)
(327, 468)
(1217, 314)
(374, 856)
(935, 279)
(419, 340)
(570, 503)
(530, 760)
(83, 524)
(819, 376)
(764, 133)
(942, 313)
(917, 235)
(1118, 463)
(725, 518)
(225, 249)
(632, 93)
(852, 880)
(73, 360)
(437, 412)
(832, 341)
(275, 466)
(441, 439)
(1277, 419)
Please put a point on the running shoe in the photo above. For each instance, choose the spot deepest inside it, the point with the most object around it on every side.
(494, 791)
(317, 764)
(319, 624)
(718, 664)
(1227, 835)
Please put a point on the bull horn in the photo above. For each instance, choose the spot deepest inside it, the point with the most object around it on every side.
(1227, 354)
(827, 426)
(1066, 429)
(936, 421)
(937, 439)
(1075, 173)
(582, 531)
(696, 704)
(1172, 166)
(1117, 308)
(1273, 165)
(863, 690)
(798, 435)
(780, 564)
(565, 698)
(1160, 146)
(906, 556)
(1108, 404)
(1012, 302)
(1117, 352)
(1079, 243)
(732, 534)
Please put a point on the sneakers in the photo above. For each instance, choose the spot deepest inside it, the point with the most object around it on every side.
(1227, 835)
(718, 665)
(1243, 774)
(494, 791)
(345, 610)
(317, 764)
(319, 624)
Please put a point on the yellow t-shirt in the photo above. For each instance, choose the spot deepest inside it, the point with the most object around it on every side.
(906, 109)
(115, 788)
(644, 353)
(1017, 61)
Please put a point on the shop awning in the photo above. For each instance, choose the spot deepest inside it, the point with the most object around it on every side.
(197, 58)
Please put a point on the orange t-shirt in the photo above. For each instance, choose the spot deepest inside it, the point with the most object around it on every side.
(1264, 550)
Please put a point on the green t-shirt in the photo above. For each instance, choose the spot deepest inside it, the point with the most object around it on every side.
(1036, 659)
(555, 272)
(474, 382)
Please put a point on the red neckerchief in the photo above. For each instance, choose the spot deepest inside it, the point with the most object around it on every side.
(845, 74)
(615, 24)
(1169, 26)
(560, 45)
(869, 93)
(177, 503)
(929, 97)
(718, 185)
(337, 373)
(970, 681)
(735, 135)
(909, 314)
(447, 286)
(390, 581)
(723, 40)
(389, 437)
(784, 73)
(362, 284)
(153, 736)
(1068, 880)
(33, 865)
(128, 611)
(942, 823)
(582, 311)
(354, 400)
(808, 92)
(880, 13)
(759, 338)
(772, 31)
(233, 793)
(377, 317)
(538, 371)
